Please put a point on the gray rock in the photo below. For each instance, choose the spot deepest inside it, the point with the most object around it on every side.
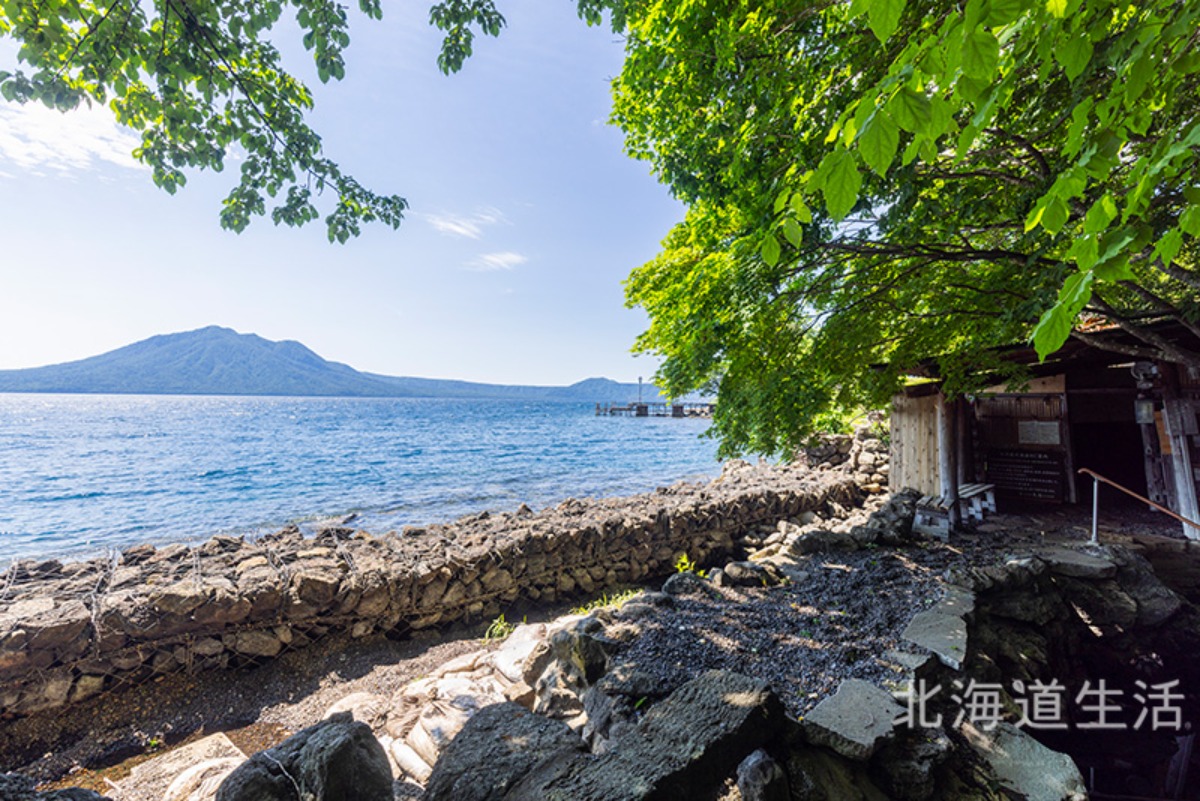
(1155, 601)
(815, 774)
(683, 748)
(750, 574)
(956, 601)
(565, 665)
(1069, 562)
(686, 583)
(338, 759)
(761, 778)
(854, 720)
(945, 635)
(14, 787)
(1025, 766)
(822, 541)
(255, 643)
(495, 749)
(1100, 603)
(906, 764)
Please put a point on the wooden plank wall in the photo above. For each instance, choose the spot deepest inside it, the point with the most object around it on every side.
(914, 445)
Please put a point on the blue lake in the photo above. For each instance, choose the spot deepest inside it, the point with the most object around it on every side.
(80, 474)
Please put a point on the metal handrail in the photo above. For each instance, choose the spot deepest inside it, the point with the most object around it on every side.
(1097, 478)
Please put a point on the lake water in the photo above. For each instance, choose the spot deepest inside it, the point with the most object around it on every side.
(80, 474)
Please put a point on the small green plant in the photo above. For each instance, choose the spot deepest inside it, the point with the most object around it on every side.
(686, 565)
(499, 629)
(617, 599)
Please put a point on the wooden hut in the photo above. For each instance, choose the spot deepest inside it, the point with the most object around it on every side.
(1134, 422)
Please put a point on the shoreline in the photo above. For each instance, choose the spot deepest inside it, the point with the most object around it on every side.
(69, 632)
(85, 480)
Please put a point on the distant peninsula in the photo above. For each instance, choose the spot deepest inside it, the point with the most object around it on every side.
(220, 361)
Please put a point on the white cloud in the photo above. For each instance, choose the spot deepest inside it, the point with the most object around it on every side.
(35, 138)
(490, 262)
(469, 226)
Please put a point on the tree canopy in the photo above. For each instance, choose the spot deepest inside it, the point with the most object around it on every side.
(869, 183)
(199, 77)
(877, 182)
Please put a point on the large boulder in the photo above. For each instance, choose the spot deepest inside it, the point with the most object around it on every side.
(338, 759)
(684, 747)
(494, 750)
(1024, 766)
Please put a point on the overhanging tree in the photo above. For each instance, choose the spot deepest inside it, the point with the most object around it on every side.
(882, 181)
(869, 182)
(199, 77)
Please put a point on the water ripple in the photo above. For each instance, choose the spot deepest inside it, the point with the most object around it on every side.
(85, 473)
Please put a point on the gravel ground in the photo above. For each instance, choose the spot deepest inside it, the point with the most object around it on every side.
(804, 638)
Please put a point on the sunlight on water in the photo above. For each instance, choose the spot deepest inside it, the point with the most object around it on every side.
(80, 474)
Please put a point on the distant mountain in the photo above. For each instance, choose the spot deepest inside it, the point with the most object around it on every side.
(220, 361)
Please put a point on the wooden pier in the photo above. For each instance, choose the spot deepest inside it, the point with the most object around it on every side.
(655, 409)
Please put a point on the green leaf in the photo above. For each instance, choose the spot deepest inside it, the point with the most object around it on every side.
(883, 16)
(802, 212)
(842, 182)
(1074, 55)
(1002, 12)
(1085, 252)
(792, 232)
(1052, 331)
(1114, 270)
(1057, 8)
(857, 7)
(1168, 247)
(771, 250)
(1075, 131)
(910, 110)
(1055, 215)
(1189, 222)
(781, 200)
(1115, 243)
(878, 141)
(1055, 325)
(981, 54)
(1102, 212)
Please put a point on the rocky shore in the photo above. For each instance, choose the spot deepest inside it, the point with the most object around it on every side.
(775, 669)
(69, 632)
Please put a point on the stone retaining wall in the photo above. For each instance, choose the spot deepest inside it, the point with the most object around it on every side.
(70, 632)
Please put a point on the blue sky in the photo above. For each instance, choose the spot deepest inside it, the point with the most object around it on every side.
(525, 217)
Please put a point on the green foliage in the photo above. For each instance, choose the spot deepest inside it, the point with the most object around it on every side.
(499, 629)
(616, 600)
(877, 183)
(198, 79)
(686, 565)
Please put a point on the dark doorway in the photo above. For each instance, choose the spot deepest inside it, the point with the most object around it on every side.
(1114, 450)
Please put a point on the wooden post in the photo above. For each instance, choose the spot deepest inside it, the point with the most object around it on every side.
(1064, 428)
(1174, 408)
(947, 457)
(961, 441)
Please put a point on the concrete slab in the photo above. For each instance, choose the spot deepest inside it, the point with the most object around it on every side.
(854, 720)
(1076, 564)
(944, 635)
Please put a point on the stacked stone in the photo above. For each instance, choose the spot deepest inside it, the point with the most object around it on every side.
(864, 454)
(69, 632)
